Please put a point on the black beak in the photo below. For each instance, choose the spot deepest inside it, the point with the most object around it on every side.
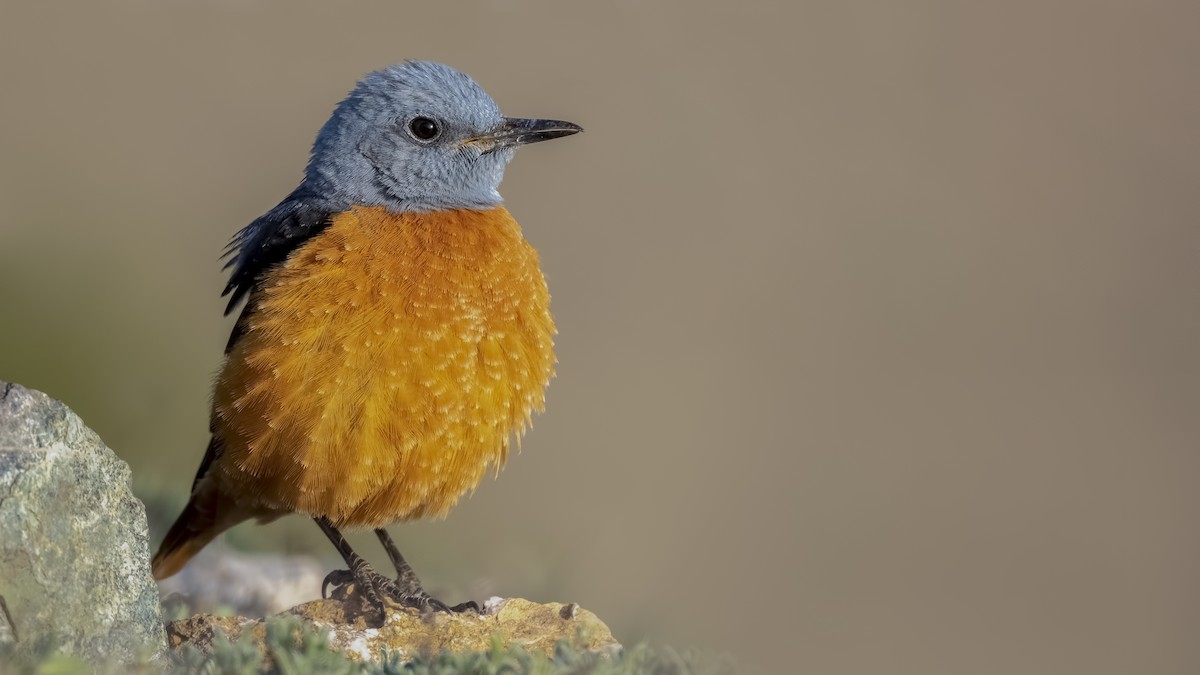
(514, 131)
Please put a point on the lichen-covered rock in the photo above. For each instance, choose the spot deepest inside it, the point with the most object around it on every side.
(74, 555)
(409, 633)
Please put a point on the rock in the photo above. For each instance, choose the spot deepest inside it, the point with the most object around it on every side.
(220, 579)
(408, 632)
(74, 555)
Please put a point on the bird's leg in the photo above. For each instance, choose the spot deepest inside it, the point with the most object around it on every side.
(412, 594)
(373, 585)
(365, 578)
(406, 578)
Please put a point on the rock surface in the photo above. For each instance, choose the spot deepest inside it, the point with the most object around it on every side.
(74, 555)
(536, 627)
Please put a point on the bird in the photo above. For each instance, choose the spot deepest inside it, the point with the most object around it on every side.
(395, 337)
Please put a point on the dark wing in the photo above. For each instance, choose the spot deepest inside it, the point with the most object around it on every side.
(269, 240)
(214, 450)
(258, 247)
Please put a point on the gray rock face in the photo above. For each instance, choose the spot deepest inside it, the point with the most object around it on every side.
(74, 557)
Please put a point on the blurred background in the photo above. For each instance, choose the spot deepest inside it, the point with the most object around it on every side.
(878, 321)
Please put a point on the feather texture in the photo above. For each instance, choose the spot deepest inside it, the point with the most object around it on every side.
(384, 367)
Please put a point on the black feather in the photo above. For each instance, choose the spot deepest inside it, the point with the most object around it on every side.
(240, 326)
(254, 250)
(270, 239)
(210, 456)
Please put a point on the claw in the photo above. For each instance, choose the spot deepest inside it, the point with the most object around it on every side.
(423, 601)
(337, 578)
(375, 587)
(437, 605)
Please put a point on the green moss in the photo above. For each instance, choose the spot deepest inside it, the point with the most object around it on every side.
(293, 647)
(641, 660)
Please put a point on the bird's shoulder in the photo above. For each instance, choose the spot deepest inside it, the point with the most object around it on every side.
(271, 238)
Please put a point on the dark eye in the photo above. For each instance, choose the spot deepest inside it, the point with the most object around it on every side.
(423, 128)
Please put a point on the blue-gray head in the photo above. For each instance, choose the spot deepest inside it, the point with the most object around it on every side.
(419, 136)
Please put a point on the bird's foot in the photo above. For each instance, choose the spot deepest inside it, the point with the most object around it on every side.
(337, 579)
(375, 587)
(361, 579)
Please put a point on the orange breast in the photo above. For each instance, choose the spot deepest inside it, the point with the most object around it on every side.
(386, 366)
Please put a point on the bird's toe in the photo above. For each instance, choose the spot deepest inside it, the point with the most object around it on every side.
(337, 579)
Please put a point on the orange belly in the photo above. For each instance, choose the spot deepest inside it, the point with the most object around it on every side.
(385, 367)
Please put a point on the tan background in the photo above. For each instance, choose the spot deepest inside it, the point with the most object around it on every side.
(878, 320)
